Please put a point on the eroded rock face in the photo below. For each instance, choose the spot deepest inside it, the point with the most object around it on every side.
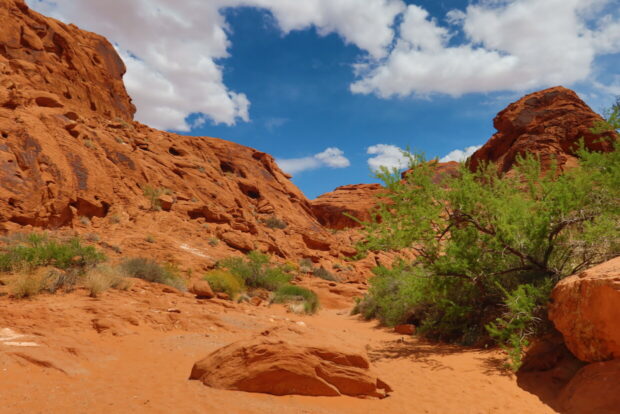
(70, 150)
(357, 200)
(277, 367)
(548, 123)
(585, 308)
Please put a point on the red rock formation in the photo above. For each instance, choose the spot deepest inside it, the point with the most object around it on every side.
(358, 200)
(280, 368)
(595, 389)
(548, 123)
(584, 308)
(71, 156)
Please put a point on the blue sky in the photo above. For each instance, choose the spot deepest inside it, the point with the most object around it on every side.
(317, 84)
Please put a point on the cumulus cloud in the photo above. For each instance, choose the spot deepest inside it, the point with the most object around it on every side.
(173, 50)
(392, 156)
(509, 45)
(460, 155)
(388, 156)
(332, 157)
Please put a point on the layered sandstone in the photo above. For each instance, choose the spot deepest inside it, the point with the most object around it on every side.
(72, 157)
(357, 200)
(549, 124)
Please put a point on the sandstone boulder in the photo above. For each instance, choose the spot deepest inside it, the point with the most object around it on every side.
(271, 366)
(585, 308)
(548, 123)
(594, 390)
(202, 289)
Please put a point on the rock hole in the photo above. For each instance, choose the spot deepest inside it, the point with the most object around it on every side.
(176, 152)
(5, 135)
(96, 59)
(249, 190)
(47, 102)
(93, 107)
(227, 167)
(67, 95)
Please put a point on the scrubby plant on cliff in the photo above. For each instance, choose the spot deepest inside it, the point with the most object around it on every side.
(306, 298)
(489, 246)
(151, 271)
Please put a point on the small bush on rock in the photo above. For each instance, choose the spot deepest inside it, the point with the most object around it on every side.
(256, 271)
(298, 294)
(151, 271)
(226, 282)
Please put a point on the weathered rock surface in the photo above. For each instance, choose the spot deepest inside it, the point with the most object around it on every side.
(547, 123)
(585, 308)
(272, 366)
(357, 200)
(70, 151)
(202, 289)
(594, 390)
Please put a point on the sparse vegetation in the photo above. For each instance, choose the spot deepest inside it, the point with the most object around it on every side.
(298, 294)
(256, 271)
(274, 222)
(490, 247)
(38, 250)
(153, 194)
(213, 241)
(323, 273)
(27, 285)
(224, 281)
(103, 278)
(149, 238)
(151, 271)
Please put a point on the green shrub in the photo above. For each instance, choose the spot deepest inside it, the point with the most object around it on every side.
(485, 242)
(256, 271)
(223, 281)
(323, 273)
(38, 250)
(291, 293)
(153, 194)
(151, 271)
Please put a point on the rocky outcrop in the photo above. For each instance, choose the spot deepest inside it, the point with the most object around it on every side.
(278, 367)
(595, 389)
(72, 157)
(547, 123)
(357, 200)
(585, 309)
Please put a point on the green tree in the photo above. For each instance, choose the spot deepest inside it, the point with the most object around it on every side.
(484, 241)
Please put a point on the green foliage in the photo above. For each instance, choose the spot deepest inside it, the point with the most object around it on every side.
(524, 318)
(37, 250)
(224, 281)
(151, 271)
(298, 294)
(256, 271)
(481, 237)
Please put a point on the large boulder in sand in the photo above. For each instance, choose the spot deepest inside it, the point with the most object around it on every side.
(273, 366)
(594, 390)
(585, 308)
(547, 123)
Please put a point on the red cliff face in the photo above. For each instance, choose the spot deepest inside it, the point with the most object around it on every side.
(547, 123)
(71, 156)
(357, 200)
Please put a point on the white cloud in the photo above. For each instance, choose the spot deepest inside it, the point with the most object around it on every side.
(460, 155)
(332, 157)
(171, 48)
(388, 156)
(509, 45)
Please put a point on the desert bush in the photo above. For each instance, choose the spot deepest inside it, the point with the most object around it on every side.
(27, 285)
(323, 273)
(274, 222)
(103, 278)
(257, 271)
(489, 245)
(226, 282)
(39, 250)
(151, 271)
(153, 194)
(298, 294)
